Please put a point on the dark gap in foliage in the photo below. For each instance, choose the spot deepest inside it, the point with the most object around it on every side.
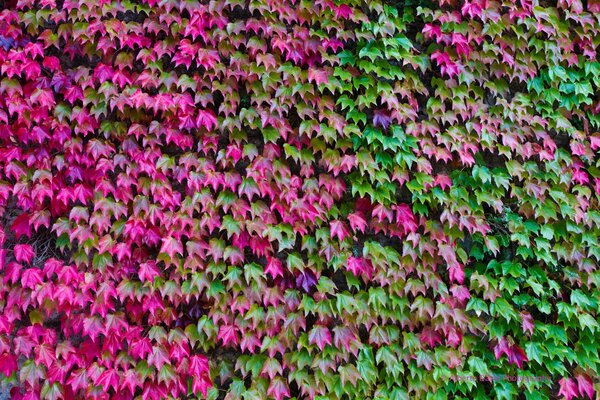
(239, 13)
(245, 100)
(131, 16)
(218, 99)
(311, 319)
(491, 159)
(339, 279)
(561, 139)
(8, 4)
(403, 194)
(294, 389)
(515, 87)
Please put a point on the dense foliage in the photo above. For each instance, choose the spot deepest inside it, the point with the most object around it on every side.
(252, 199)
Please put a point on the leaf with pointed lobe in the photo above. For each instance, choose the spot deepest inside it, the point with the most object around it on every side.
(306, 280)
(24, 253)
(8, 364)
(527, 323)
(320, 336)
(338, 229)
(517, 356)
(274, 267)
(171, 246)
(21, 226)
(567, 388)
(228, 334)
(585, 386)
(278, 389)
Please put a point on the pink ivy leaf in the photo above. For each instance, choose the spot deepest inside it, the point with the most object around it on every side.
(443, 181)
(24, 253)
(207, 119)
(405, 217)
(473, 8)
(278, 389)
(345, 336)
(338, 228)
(568, 388)
(228, 334)
(595, 141)
(461, 292)
(317, 76)
(357, 221)
(358, 266)
(430, 337)
(274, 267)
(382, 212)
(585, 386)
(343, 11)
(131, 380)
(171, 246)
(31, 277)
(501, 348)
(455, 270)
(527, 322)
(201, 384)
(148, 271)
(158, 357)
(320, 336)
(454, 337)
(109, 379)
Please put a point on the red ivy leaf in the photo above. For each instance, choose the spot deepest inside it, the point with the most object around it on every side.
(21, 227)
(517, 356)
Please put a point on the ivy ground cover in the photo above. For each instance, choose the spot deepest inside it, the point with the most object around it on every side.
(266, 199)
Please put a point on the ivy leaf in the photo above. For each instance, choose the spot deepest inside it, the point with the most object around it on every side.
(320, 336)
(527, 322)
(585, 385)
(274, 267)
(228, 334)
(171, 246)
(21, 226)
(338, 228)
(306, 280)
(454, 268)
(567, 388)
(382, 118)
(278, 389)
(23, 253)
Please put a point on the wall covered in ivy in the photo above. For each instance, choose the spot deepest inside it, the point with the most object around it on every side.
(266, 199)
